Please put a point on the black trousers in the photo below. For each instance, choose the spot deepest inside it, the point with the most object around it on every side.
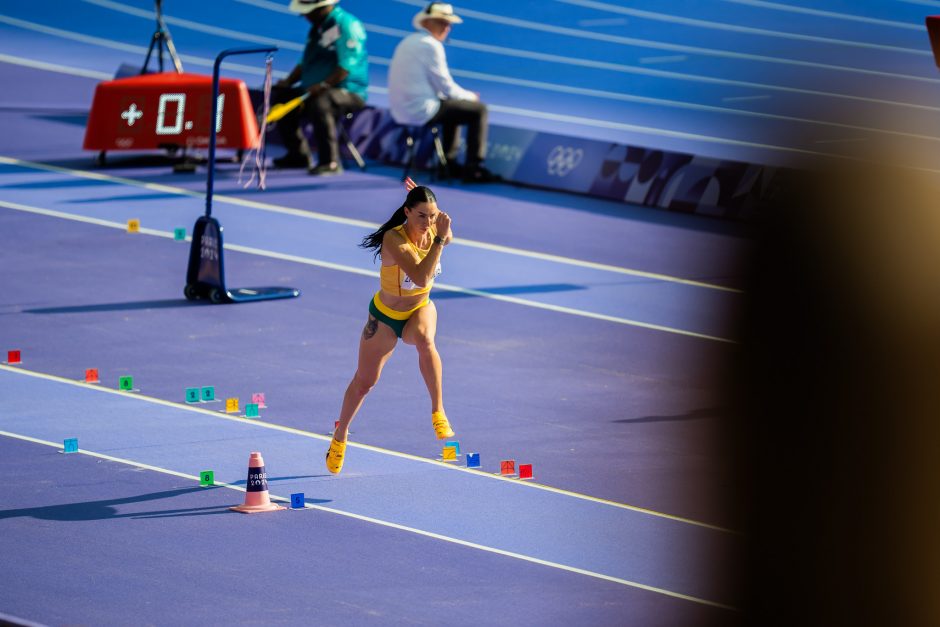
(323, 112)
(469, 113)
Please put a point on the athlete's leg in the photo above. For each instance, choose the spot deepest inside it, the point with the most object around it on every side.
(375, 347)
(419, 332)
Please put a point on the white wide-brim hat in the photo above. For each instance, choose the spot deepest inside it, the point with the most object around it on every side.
(436, 11)
(306, 6)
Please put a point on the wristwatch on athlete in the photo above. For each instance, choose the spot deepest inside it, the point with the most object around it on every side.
(438, 240)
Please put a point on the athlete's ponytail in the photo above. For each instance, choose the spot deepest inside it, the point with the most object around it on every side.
(416, 196)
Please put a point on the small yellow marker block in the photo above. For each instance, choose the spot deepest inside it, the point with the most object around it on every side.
(231, 405)
(133, 225)
(449, 454)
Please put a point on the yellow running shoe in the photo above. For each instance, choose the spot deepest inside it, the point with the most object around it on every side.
(441, 425)
(334, 456)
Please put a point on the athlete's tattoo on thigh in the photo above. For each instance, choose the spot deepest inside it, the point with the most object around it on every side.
(371, 327)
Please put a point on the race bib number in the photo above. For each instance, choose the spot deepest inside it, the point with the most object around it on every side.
(408, 284)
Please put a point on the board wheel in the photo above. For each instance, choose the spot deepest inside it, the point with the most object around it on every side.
(216, 295)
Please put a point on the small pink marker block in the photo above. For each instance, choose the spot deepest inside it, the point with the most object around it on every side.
(13, 357)
(507, 467)
(525, 471)
(258, 399)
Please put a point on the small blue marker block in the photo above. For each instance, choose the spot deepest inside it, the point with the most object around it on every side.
(455, 444)
(192, 395)
(208, 393)
(473, 460)
(70, 445)
(297, 500)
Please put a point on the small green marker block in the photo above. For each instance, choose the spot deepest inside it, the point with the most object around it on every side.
(192, 395)
(126, 383)
(207, 478)
(251, 410)
(179, 234)
(70, 445)
(208, 394)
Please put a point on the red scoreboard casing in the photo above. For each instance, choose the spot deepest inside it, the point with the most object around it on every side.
(153, 111)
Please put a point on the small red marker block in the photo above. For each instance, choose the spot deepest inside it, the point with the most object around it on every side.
(507, 467)
(525, 471)
(91, 376)
(13, 357)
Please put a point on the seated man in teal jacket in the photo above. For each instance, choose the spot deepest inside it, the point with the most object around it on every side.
(334, 72)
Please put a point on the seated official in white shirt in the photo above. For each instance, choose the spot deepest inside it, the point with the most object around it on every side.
(421, 92)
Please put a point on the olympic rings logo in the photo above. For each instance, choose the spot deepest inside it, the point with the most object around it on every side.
(563, 159)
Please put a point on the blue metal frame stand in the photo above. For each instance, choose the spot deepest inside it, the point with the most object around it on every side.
(205, 274)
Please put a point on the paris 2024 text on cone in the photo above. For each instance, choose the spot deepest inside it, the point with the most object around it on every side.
(256, 491)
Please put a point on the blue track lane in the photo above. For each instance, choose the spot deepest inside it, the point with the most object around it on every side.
(739, 79)
(602, 540)
(675, 307)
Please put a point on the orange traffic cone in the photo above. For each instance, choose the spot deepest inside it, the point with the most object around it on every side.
(256, 495)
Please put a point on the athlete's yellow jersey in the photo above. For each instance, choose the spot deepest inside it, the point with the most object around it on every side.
(394, 280)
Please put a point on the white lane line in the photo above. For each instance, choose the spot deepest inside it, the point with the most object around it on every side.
(583, 91)
(320, 263)
(841, 140)
(674, 58)
(385, 523)
(313, 215)
(266, 4)
(54, 67)
(749, 30)
(671, 75)
(593, 63)
(563, 88)
(528, 113)
(622, 126)
(630, 41)
(743, 98)
(833, 14)
(199, 26)
(603, 21)
(368, 447)
(116, 45)
(277, 7)
(502, 50)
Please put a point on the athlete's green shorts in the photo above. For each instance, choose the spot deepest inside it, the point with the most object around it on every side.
(395, 320)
